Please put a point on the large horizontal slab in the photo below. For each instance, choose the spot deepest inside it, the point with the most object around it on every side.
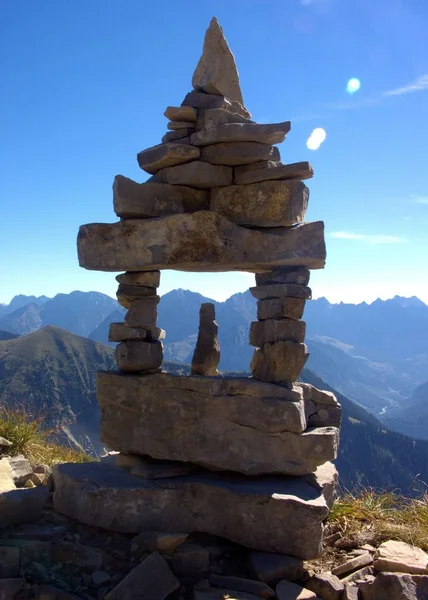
(275, 514)
(242, 132)
(202, 241)
(227, 424)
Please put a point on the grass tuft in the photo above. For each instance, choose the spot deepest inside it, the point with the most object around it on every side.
(29, 437)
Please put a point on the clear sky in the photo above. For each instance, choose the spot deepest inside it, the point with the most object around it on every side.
(84, 84)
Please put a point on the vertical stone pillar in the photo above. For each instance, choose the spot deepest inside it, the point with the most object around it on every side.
(279, 333)
(140, 348)
(207, 352)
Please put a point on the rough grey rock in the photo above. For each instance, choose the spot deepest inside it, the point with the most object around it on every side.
(281, 290)
(280, 308)
(274, 170)
(238, 153)
(240, 584)
(158, 157)
(279, 362)
(212, 117)
(271, 568)
(4, 443)
(174, 125)
(351, 592)
(326, 586)
(267, 204)
(159, 541)
(119, 332)
(353, 564)
(399, 586)
(358, 575)
(299, 275)
(268, 434)
(100, 578)
(366, 587)
(150, 580)
(274, 133)
(9, 588)
(127, 294)
(275, 330)
(286, 590)
(207, 351)
(181, 113)
(135, 356)
(6, 478)
(9, 561)
(148, 200)
(322, 407)
(190, 559)
(241, 509)
(143, 313)
(21, 469)
(196, 174)
(145, 278)
(206, 101)
(202, 241)
(216, 71)
(399, 556)
(22, 505)
(178, 135)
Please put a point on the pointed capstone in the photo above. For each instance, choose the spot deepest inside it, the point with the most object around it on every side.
(216, 72)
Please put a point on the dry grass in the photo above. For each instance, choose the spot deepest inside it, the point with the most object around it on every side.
(372, 517)
(30, 438)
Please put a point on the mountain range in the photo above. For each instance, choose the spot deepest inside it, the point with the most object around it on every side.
(375, 354)
(52, 372)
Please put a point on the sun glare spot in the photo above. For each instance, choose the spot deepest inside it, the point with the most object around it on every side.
(353, 85)
(316, 138)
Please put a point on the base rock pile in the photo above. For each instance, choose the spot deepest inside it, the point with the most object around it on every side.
(247, 459)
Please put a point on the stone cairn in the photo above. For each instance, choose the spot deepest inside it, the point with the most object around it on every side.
(243, 458)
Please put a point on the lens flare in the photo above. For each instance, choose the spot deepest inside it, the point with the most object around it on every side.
(316, 138)
(353, 85)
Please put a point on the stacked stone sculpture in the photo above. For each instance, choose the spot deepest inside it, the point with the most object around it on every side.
(245, 458)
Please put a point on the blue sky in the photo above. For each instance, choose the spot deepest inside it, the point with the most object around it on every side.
(85, 83)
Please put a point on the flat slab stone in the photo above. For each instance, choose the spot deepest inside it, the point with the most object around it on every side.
(148, 200)
(174, 125)
(181, 113)
(279, 362)
(146, 278)
(280, 308)
(139, 416)
(300, 275)
(275, 330)
(267, 204)
(281, 290)
(158, 157)
(276, 514)
(300, 170)
(178, 135)
(238, 153)
(119, 332)
(127, 294)
(399, 556)
(205, 101)
(202, 241)
(212, 117)
(134, 356)
(197, 174)
(242, 132)
(216, 71)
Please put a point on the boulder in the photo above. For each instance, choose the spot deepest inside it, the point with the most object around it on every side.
(143, 313)
(276, 330)
(279, 362)
(268, 204)
(275, 170)
(134, 356)
(216, 71)
(238, 153)
(283, 275)
(178, 135)
(127, 294)
(150, 580)
(174, 125)
(196, 174)
(21, 469)
(351, 592)
(158, 157)
(280, 308)
(286, 590)
(274, 133)
(212, 117)
(225, 424)
(400, 586)
(146, 278)
(181, 113)
(22, 505)
(271, 568)
(399, 556)
(148, 200)
(119, 332)
(281, 290)
(244, 510)
(203, 241)
(207, 351)
(206, 101)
